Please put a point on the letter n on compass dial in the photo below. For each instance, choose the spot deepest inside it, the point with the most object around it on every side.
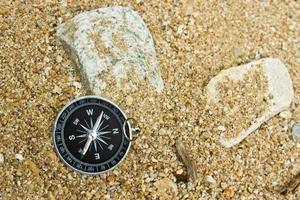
(88, 135)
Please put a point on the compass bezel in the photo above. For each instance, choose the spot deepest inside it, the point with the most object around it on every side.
(124, 140)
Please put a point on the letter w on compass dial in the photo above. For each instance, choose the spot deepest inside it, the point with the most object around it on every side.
(91, 134)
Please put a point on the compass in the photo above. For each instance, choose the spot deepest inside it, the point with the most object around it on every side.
(92, 135)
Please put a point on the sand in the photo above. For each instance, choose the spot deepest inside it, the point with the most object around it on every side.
(194, 41)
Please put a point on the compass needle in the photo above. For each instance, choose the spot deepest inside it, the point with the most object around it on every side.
(95, 145)
(87, 145)
(98, 123)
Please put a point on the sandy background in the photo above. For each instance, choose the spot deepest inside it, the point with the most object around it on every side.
(194, 40)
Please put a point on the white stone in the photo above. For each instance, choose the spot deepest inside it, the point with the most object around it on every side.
(166, 188)
(19, 157)
(1, 158)
(279, 85)
(210, 180)
(112, 43)
(238, 158)
(180, 29)
(57, 90)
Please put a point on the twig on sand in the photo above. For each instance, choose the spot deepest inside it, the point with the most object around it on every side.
(190, 167)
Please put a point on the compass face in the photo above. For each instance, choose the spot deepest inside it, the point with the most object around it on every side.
(88, 135)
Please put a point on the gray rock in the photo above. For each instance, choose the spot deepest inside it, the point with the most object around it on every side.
(279, 86)
(296, 130)
(19, 157)
(111, 45)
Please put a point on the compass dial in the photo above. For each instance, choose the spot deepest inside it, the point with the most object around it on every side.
(88, 135)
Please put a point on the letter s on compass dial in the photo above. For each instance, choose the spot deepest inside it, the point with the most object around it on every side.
(88, 135)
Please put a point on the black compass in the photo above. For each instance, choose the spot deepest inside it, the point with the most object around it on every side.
(92, 135)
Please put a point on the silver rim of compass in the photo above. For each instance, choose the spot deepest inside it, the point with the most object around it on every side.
(125, 122)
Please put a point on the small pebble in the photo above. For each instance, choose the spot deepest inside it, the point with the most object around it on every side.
(180, 171)
(59, 59)
(180, 29)
(57, 90)
(39, 23)
(238, 158)
(46, 59)
(70, 177)
(166, 188)
(210, 180)
(221, 128)
(129, 100)
(1, 158)
(296, 129)
(19, 157)
(154, 160)
(19, 173)
(111, 178)
(224, 185)
(229, 192)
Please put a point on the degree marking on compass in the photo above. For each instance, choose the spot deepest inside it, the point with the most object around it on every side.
(106, 117)
(110, 147)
